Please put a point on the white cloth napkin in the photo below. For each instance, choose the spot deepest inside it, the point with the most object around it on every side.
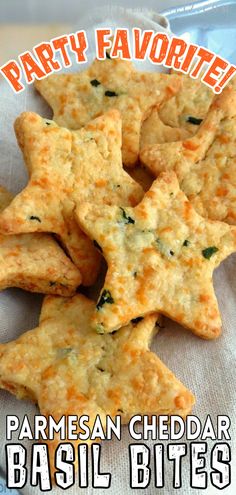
(207, 368)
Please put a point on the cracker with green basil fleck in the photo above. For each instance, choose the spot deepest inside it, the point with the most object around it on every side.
(35, 262)
(68, 369)
(67, 167)
(205, 163)
(163, 261)
(179, 117)
(111, 83)
(191, 104)
(154, 131)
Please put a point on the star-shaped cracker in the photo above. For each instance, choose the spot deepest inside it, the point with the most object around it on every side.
(35, 262)
(65, 168)
(68, 369)
(205, 163)
(112, 83)
(161, 256)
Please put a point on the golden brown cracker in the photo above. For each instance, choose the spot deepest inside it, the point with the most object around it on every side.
(65, 168)
(35, 262)
(205, 163)
(68, 369)
(112, 83)
(161, 256)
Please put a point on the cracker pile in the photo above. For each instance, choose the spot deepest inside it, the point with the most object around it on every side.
(162, 235)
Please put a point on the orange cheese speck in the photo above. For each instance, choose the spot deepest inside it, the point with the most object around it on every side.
(101, 183)
(224, 139)
(190, 145)
(204, 298)
(222, 191)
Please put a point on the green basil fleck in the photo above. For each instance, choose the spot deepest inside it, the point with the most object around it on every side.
(208, 252)
(110, 93)
(126, 218)
(35, 218)
(95, 83)
(63, 352)
(186, 243)
(106, 298)
(194, 120)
